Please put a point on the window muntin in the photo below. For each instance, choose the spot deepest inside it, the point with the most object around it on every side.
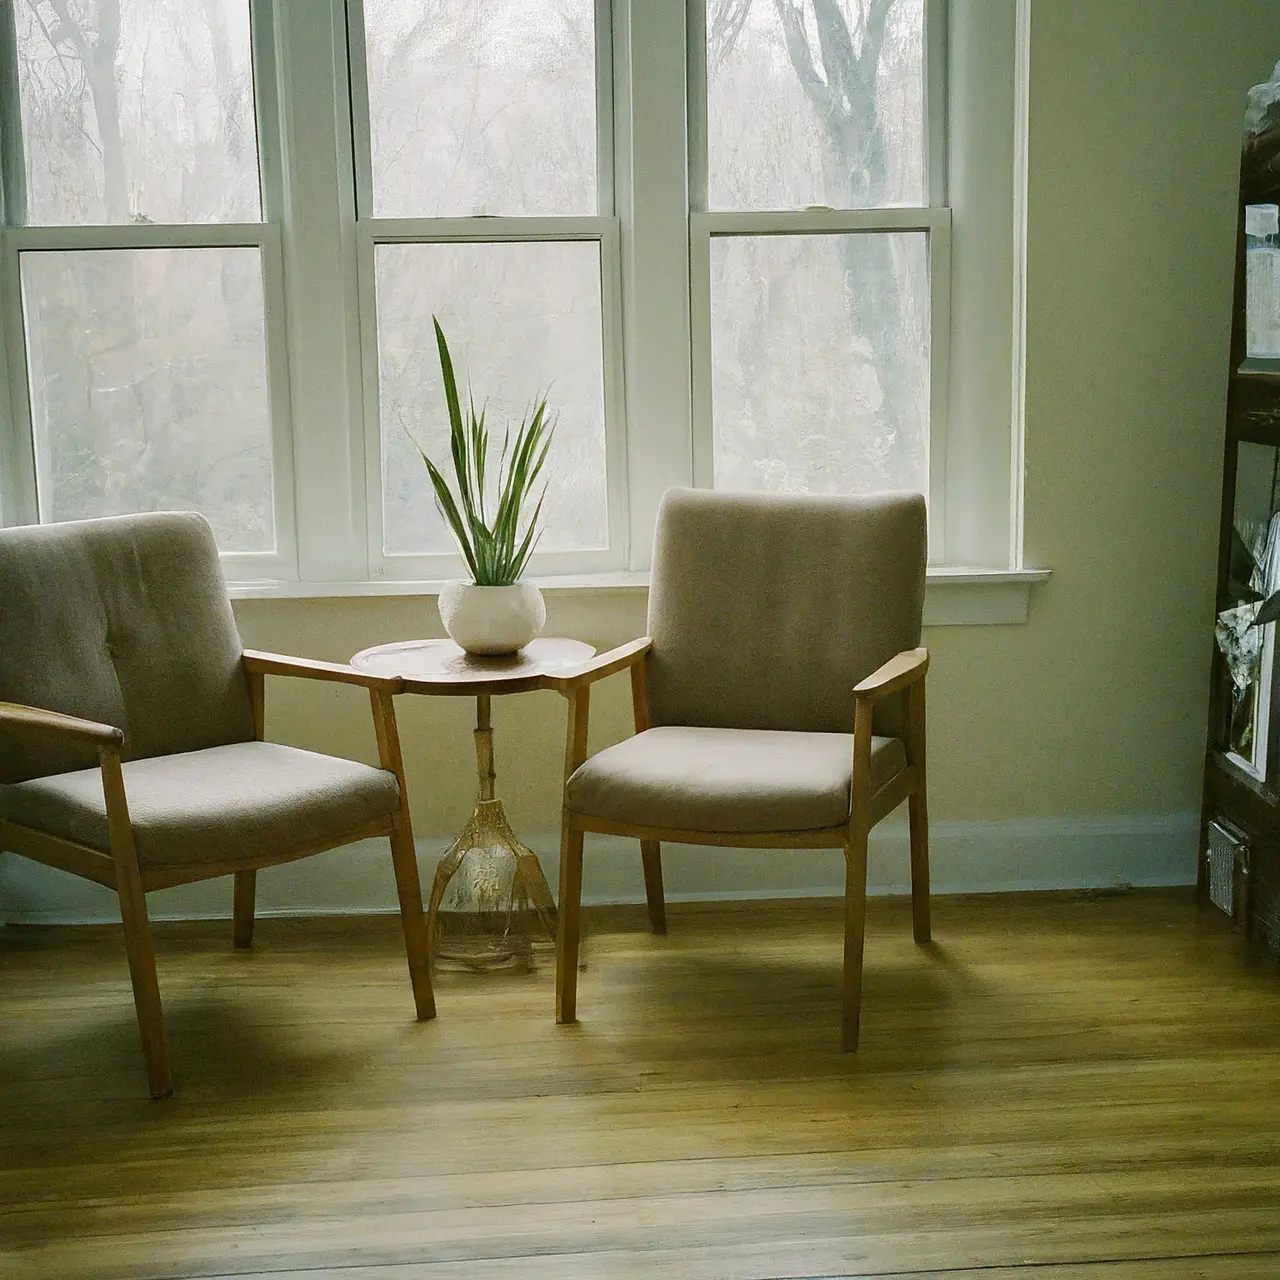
(137, 111)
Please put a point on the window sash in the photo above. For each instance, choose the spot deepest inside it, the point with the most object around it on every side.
(603, 229)
(435, 567)
(357, 67)
(934, 219)
(265, 238)
(20, 493)
(935, 105)
(655, 241)
(934, 222)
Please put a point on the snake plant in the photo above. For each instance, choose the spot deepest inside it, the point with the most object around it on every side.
(495, 546)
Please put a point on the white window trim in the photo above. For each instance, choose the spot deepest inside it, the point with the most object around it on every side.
(27, 492)
(655, 301)
(933, 219)
(601, 228)
(17, 475)
(953, 597)
(988, 50)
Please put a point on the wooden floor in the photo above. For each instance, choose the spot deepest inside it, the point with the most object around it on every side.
(1061, 1088)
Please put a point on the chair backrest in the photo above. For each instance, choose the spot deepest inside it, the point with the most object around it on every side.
(766, 610)
(125, 621)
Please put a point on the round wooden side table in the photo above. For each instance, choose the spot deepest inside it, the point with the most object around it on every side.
(487, 884)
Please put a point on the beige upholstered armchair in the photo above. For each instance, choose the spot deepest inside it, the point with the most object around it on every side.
(131, 751)
(779, 701)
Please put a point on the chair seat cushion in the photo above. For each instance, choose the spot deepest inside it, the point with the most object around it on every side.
(727, 780)
(221, 804)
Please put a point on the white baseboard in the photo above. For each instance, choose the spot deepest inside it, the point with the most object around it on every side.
(966, 857)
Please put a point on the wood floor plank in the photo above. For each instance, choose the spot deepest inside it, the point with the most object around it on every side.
(864, 1230)
(1064, 1087)
(665, 1264)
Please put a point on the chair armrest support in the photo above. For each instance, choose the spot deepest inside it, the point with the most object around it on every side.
(14, 715)
(603, 664)
(278, 664)
(901, 670)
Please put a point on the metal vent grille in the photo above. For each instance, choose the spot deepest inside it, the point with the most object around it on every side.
(1228, 856)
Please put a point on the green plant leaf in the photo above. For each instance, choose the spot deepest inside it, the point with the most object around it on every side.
(497, 550)
(479, 451)
(449, 510)
(531, 538)
(457, 430)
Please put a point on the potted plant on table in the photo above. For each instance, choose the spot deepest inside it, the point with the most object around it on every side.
(490, 518)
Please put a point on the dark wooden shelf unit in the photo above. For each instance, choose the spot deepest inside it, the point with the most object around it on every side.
(1236, 798)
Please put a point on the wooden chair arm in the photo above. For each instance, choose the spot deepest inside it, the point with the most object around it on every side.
(36, 719)
(603, 664)
(278, 664)
(901, 670)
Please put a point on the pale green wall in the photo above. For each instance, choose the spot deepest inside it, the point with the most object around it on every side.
(1097, 706)
(1065, 752)
(1135, 129)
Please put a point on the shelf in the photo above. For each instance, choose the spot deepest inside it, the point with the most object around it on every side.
(1255, 367)
(1228, 768)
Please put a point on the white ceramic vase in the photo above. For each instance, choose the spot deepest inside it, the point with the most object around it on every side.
(492, 620)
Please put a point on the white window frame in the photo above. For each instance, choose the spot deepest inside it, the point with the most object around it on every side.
(935, 223)
(25, 496)
(933, 219)
(975, 107)
(602, 229)
(654, 235)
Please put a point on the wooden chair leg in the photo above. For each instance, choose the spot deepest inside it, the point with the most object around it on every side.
(137, 927)
(855, 919)
(242, 912)
(918, 815)
(404, 858)
(569, 924)
(651, 853)
(146, 990)
(417, 945)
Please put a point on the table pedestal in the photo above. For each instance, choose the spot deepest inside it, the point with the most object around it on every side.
(490, 903)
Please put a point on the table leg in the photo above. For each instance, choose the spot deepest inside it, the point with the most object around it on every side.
(484, 748)
(490, 877)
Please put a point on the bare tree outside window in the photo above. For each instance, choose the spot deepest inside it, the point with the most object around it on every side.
(815, 102)
(137, 111)
(798, 379)
(820, 345)
(486, 108)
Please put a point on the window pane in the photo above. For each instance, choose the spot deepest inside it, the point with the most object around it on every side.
(482, 108)
(522, 320)
(845, 120)
(137, 111)
(149, 386)
(820, 362)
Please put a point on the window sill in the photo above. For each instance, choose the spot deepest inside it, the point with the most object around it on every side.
(953, 597)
